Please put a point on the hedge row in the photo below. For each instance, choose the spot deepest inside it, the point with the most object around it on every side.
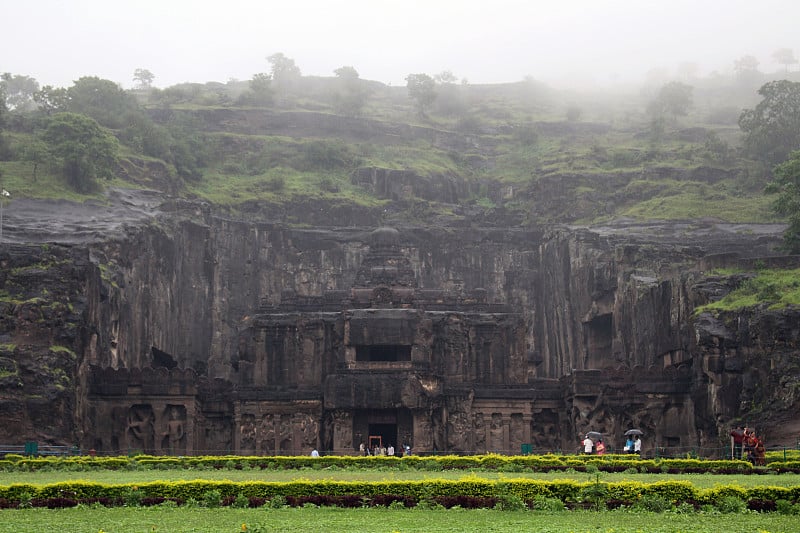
(519, 463)
(410, 493)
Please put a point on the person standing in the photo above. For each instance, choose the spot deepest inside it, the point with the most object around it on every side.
(737, 439)
(637, 445)
(601, 448)
(629, 445)
(587, 445)
(390, 450)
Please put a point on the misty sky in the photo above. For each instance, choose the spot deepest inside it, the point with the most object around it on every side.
(495, 41)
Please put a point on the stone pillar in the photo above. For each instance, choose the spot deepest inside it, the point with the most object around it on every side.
(506, 433)
(192, 416)
(237, 427)
(527, 421)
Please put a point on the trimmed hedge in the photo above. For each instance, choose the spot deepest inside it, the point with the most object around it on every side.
(519, 463)
(472, 491)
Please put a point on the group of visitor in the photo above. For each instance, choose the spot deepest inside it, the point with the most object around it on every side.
(745, 443)
(590, 447)
(380, 450)
(633, 445)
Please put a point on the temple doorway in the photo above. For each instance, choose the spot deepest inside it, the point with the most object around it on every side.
(383, 426)
(383, 435)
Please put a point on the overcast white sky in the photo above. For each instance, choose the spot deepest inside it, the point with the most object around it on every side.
(487, 41)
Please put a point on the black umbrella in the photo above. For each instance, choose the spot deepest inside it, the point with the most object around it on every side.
(634, 432)
(594, 435)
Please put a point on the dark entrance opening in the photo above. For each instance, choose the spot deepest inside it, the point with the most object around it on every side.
(387, 433)
(383, 352)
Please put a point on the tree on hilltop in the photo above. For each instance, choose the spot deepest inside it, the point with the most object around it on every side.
(82, 148)
(421, 89)
(283, 69)
(772, 128)
(51, 99)
(351, 95)
(674, 98)
(787, 185)
(785, 56)
(19, 91)
(143, 78)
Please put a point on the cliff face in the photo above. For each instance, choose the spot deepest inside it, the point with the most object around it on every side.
(178, 291)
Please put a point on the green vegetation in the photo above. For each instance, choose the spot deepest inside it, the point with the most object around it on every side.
(283, 138)
(367, 520)
(787, 186)
(250, 498)
(775, 288)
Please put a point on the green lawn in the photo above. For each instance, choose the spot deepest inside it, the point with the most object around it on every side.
(226, 520)
(142, 476)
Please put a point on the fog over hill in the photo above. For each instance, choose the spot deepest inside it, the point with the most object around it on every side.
(569, 43)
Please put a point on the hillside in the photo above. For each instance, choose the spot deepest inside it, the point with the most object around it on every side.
(328, 259)
(522, 152)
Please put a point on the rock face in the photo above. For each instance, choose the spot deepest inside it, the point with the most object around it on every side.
(201, 333)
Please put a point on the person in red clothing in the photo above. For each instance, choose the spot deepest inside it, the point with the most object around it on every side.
(600, 448)
(737, 438)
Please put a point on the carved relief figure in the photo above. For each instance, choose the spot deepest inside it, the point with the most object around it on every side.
(496, 433)
(343, 430)
(480, 433)
(267, 434)
(309, 428)
(247, 434)
(458, 431)
(175, 430)
(423, 431)
(141, 428)
(285, 433)
(516, 433)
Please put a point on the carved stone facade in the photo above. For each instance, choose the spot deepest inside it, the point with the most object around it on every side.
(383, 363)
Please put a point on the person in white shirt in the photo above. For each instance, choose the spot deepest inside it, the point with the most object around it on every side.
(637, 445)
(587, 445)
(390, 450)
(314, 453)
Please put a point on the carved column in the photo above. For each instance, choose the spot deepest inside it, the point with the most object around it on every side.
(237, 424)
(506, 433)
(527, 421)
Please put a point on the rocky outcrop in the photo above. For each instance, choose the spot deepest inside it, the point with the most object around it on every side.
(173, 287)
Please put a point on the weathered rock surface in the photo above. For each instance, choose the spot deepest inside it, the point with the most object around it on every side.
(606, 328)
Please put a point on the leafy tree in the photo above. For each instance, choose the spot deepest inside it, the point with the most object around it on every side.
(450, 99)
(145, 136)
(84, 150)
(103, 100)
(260, 92)
(784, 56)
(36, 152)
(351, 96)
(746, 69)
(143, 78)
(786, 184)
(674, 98)
(51, 99)
(421, 89)
(283, 69)
(772, 128)
(346, 73)
(19, 91)
(445, 77)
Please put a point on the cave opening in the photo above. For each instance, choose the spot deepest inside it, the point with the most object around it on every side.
(162, 359)
(383, 353)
